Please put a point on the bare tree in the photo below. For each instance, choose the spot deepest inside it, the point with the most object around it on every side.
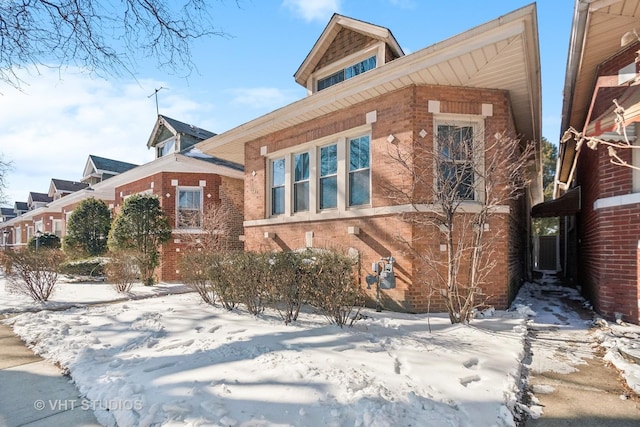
(613, 145)
(104, 37)
(456, 186)
(5, 167)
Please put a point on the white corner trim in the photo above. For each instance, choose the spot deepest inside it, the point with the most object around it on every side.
(616, 201)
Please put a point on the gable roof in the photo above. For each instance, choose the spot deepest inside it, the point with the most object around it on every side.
(596, 34)
(109, 165)
(21, 206)
(66, 186)
(500, 54)
(176, 127)
(39, 197)
(336, 24)
(7, 213)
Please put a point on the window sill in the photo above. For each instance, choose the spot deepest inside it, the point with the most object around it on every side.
(362, 212)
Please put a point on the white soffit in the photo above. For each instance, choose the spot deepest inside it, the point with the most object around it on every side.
(501, 54)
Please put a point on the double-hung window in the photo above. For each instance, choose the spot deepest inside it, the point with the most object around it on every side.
(328, 177)
(359, 171)
(301, 182)
(189, 211)
(457, 161)
(277, 186)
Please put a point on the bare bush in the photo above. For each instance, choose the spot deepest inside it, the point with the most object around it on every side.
(122, 270)
(334, 289)
(33, 273)
(251, 274)
(290, 281)
(196, 267)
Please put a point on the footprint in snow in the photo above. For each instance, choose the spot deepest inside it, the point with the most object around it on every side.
(470, 379)
(471, 363)
(213, 329)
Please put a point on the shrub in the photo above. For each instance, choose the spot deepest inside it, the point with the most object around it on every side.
(122, 270)
(33, 273)
(289, 281)
(196, 273)
(334, 289)
(251, 274)
(45, 241)
(91, 267)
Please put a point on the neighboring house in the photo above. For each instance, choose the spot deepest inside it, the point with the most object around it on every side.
(188, 183)
(100, 168)
(38, 200)
(172, 136)
(60, 188)
(599, 202)
(315, 170)
(7, 214)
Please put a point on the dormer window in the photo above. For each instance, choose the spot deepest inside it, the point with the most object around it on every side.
(166, 147)
(347, 73)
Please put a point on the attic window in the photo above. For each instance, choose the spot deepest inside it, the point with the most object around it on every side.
(347, 73)
(166, 147)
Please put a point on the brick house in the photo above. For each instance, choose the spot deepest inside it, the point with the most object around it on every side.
(315, 170)
(597, 201)
(184, 178)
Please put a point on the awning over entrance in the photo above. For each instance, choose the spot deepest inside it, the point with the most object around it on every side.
(568, 204)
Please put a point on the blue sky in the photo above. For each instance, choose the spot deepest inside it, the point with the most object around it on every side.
(63, 116)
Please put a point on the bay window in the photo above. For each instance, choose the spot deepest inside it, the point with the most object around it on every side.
(330, 175)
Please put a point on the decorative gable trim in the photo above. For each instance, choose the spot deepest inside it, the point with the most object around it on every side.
(331, 32)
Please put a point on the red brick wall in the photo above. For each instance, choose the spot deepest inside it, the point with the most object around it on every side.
(345, 43)
(608, 245)
(217, 190)
(403, 114)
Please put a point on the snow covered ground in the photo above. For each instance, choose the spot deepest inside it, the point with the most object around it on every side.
(172, 360)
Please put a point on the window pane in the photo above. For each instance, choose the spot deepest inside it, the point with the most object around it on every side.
(329, 160)
(359, 153)
(328, 192)
(277, 172)
(361, 67)
(301, 162)
(331, 80)
(359, 193)
(189, 213)
(277, 200)
(301, 196)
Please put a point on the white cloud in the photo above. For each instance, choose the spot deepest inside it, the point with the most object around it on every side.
(313, 10)
(50, 129)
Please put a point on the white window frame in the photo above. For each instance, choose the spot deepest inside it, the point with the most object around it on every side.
(313, 148)
(160, 146)
(478, 125)
(56, 227)
(177, 206)
(17, 235)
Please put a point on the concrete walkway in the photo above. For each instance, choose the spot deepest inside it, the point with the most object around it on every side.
(594, 395)
(34, 392)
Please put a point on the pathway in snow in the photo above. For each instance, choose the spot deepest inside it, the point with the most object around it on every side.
(569, 383)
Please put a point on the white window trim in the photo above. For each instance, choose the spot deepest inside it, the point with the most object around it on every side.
(478, 124)
(313, 148)
(189, 188)
(17, 233)
(377, 50)
(160, 146)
